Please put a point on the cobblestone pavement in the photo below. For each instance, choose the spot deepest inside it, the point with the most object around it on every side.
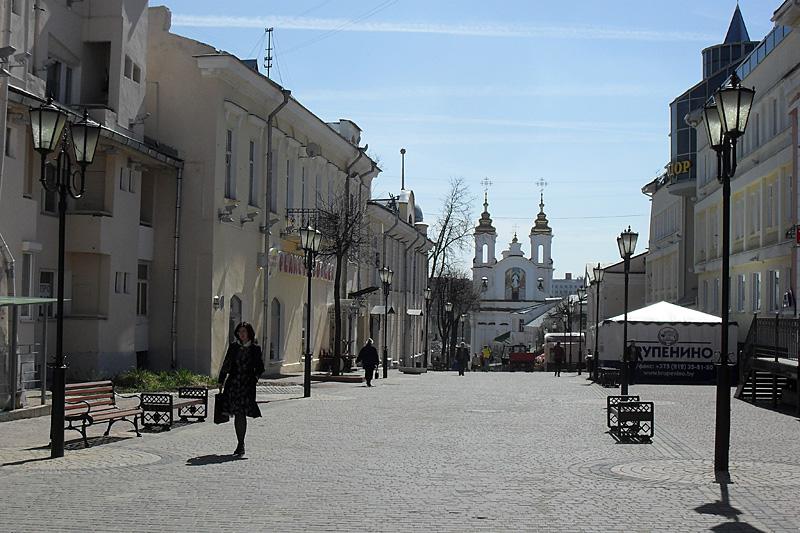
(436, 452)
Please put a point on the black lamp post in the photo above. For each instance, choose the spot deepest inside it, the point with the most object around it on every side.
(427, 313)
(49, 134)
(448, 307)
(626, 242)
(463, 320)
(581, 296)
(310, 240)
(568, 327)
(597, 280)
(386, 278)
(725, 118)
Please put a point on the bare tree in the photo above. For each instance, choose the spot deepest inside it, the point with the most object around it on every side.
(341, 220)
(453, 228)
(455, 287)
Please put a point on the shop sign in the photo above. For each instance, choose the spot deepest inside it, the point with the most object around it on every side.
(679, 167)
(296, 265)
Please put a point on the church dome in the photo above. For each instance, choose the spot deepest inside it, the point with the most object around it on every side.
(541, 224)
(418, 213)
(485, 222)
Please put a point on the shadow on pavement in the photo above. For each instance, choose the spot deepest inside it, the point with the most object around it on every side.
(213, 459)
(723, 507)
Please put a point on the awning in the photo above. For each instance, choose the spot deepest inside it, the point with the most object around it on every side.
(378, 310)
(25, 300)
(414, 312)
(504, 337)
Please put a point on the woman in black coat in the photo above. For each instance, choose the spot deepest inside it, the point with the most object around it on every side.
(368, 357)
(238, 376)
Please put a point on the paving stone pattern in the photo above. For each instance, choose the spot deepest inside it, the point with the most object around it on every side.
(435, 452)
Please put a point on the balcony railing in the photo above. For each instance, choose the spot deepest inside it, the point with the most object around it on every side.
(297, 218)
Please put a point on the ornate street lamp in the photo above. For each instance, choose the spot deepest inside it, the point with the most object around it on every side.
(386, 278)
(597, 280)
(49, 132)
(581, 296)
(626, 242)
(725, 119)
(427, 313)
(448, 307)
(310, 241)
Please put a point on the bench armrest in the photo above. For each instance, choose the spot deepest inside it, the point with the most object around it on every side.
(131, 396)
(74, 402)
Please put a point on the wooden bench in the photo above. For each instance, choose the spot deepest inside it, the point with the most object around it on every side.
(157, 408)
(629, 419)
(609, 376)
(94, 403)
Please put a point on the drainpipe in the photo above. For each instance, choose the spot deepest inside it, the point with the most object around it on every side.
(406, 291)
(373, 166)
(385, 263)
(176, 238)
(348, 169)
(266, 228)
(5, 252)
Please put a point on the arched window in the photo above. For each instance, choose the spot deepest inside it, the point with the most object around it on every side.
(234, 318)
(275, 331)
(540, 253)
(485, 253)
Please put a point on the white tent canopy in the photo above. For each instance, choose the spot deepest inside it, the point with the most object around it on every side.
(667, 312)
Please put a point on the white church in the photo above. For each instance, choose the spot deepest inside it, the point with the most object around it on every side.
(513, 291)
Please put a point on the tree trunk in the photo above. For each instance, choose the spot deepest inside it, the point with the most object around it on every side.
(337, 318)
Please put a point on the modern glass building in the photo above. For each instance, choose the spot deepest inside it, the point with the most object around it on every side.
(719, 62)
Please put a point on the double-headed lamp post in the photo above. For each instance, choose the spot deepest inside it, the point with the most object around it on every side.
(448, 307)
(427, 312)
(310, 241)
(627, 244)
(725, 118)
(597, 280)
(50, 134)
(567, 312)
(581, 296)
(386, 278)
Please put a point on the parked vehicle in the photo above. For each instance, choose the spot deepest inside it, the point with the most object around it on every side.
(520, 358)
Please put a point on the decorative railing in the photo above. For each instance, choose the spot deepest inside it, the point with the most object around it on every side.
(297, 218)
(774, 336)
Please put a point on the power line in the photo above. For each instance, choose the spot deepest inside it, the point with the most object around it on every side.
(313, 8)
(380, 7)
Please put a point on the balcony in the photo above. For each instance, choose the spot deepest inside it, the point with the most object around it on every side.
(91, 234)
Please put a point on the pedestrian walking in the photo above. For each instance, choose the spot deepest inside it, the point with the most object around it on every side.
(558, 358)
(242, 366)
(368, 357)
(462, 358)
(486, 355)
(634, 355)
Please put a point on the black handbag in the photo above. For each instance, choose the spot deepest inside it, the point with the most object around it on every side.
(220, 408)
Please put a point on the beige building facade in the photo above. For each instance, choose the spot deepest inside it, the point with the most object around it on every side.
(241, 217)
(118, 261)
(763, 194)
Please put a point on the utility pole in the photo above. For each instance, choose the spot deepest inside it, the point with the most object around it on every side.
(268, 54)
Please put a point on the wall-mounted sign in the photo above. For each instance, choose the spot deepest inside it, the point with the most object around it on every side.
(296, 264)
(679, 167)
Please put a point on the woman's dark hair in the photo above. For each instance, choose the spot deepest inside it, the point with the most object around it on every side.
(250, 331)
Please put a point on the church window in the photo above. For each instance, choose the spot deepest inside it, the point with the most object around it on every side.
(485, 253)
(540, 253)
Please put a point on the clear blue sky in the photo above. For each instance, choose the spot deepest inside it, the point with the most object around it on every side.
(576, 93)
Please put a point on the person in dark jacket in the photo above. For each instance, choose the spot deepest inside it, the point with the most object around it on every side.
(242, 366)
(558, 358)
(634, 356)
(368, 357)
(462, 358)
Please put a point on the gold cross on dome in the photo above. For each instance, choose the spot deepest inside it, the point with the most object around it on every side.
(541, 183)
